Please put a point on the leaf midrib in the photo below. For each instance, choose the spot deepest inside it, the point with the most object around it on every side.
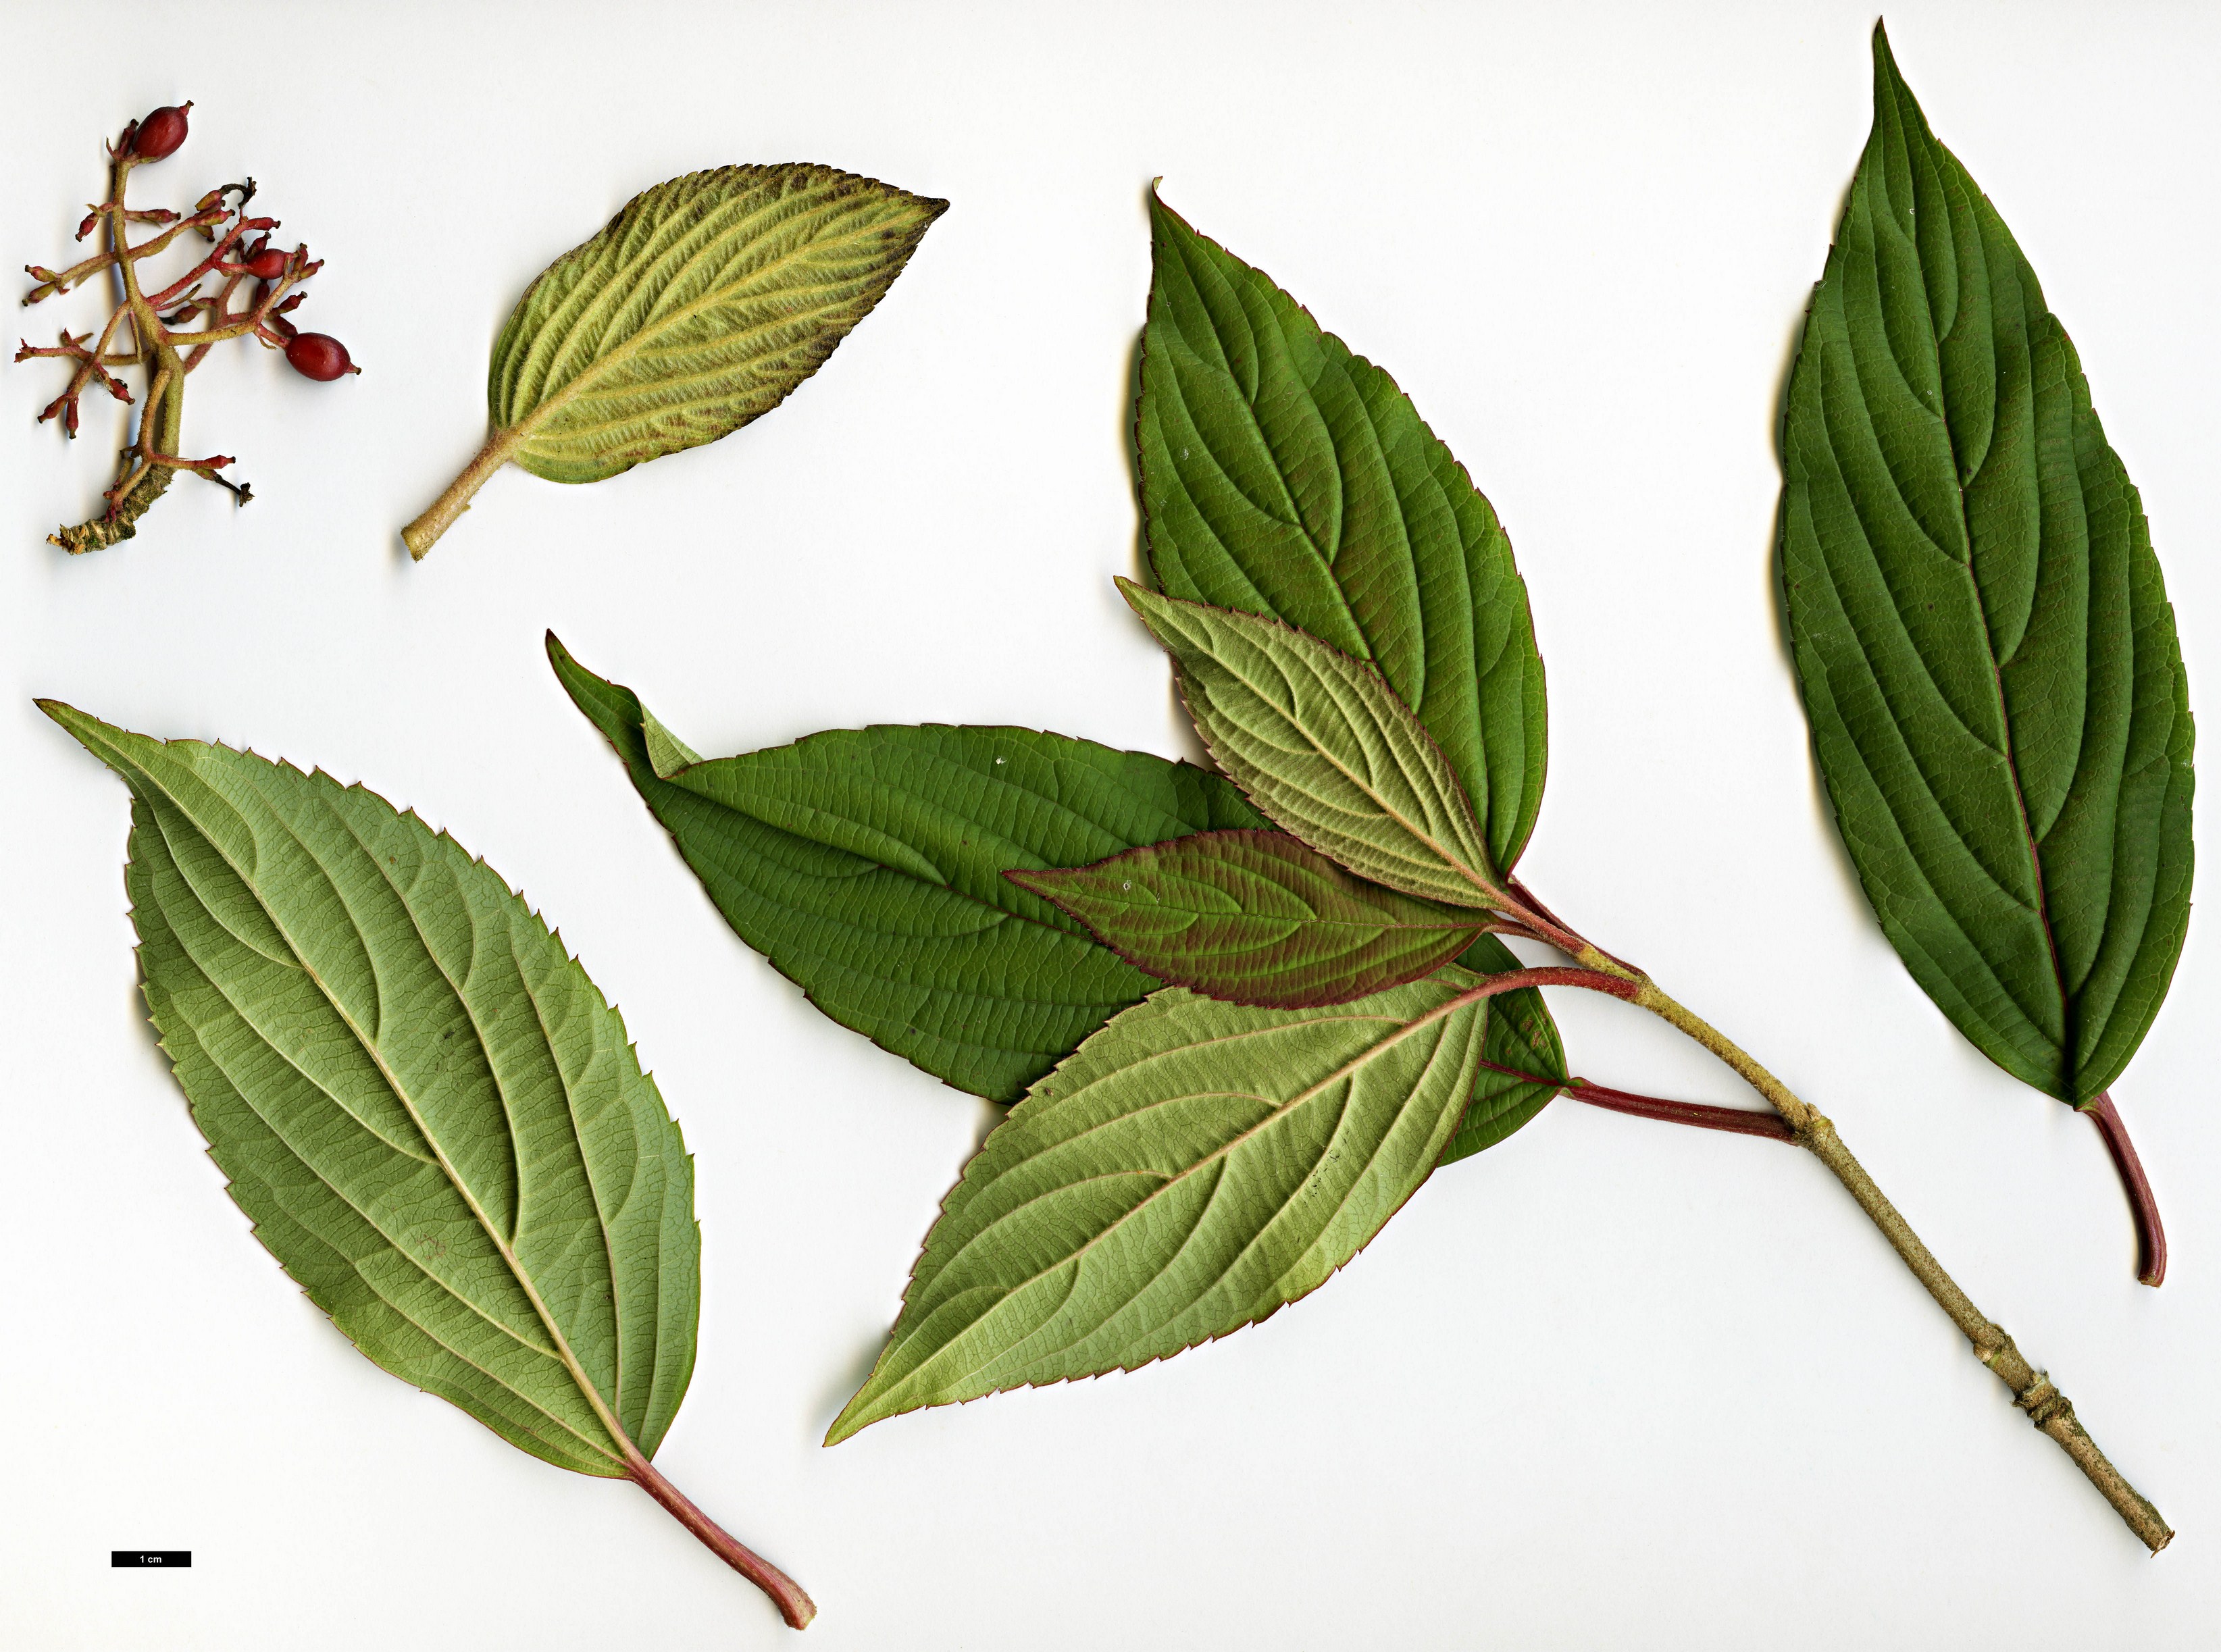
(943, 886)
(1279, 1111)
(525, 427)
(1965, 570)
(560, 1342)
(1426, 836)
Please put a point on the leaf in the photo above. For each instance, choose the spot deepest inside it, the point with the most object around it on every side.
(1325, 748)
(427, 1111)
(1192, 1168)
(868, 864)
(1522, 1041)
(1984, 643)
(838, 878)
(432, 1116)
(700, 307)
(1255, 918)
(1281, 475)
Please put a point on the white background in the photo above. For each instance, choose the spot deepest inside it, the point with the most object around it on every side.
(1613, 1385)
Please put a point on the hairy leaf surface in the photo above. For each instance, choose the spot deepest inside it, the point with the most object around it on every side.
(701, 306)
(868, 866)
(1325, 748)
(1984, 643)
(1192, 1166)
(431, 1115)
(1257, 917)
(1282, 475)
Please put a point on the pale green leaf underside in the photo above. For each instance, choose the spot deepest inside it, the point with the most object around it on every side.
(1192, 1168)
(431, 1115)
(1282, 475)
(1325, 748)
(868, 866)
(705, 302)
(1984, 643)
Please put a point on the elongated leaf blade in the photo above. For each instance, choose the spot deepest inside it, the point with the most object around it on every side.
(1983, 640)
(429, 1113)
(868, 866)
(700, 307)
(1325, 748)
(839, 881)
(1192, 1168)
(1257, 917)
(1282, 475)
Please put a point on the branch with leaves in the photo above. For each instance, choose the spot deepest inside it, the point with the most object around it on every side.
(153, 328)
(1244, 1014)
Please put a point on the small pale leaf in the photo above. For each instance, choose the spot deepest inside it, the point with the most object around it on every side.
(1192, 1168)
(1325, 748)
(1257, 917)
(705, 302)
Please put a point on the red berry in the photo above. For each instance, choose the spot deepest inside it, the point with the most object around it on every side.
(267, 266)
(319, 356)
(160, 132)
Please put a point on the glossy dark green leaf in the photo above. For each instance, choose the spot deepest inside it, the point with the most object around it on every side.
(1985, 646)
(1282, 475)
(1257, 917)
(868, 864)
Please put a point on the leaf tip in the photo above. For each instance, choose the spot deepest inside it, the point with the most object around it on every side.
(855, 1416)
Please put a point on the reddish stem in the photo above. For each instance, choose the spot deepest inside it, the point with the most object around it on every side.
(1740, 1121)
(794, 1604)
(2151, 1237)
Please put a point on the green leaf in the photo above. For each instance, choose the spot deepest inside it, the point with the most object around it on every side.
(1192, 1167)
(1282, 475)
(1523, 1062)
(868, 864)
(431, 1115)
(1257, 917)
(1985, 646)
(1324, 746)
(700, 307)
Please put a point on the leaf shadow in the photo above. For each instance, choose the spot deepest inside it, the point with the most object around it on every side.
(851, 1377)
(1188, 740)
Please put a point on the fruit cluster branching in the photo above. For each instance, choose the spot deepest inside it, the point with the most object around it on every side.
(242, 288)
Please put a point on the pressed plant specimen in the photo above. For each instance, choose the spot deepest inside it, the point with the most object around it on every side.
(696, 309)
(434, 1120)
(1245, 1015)
(243, 287)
